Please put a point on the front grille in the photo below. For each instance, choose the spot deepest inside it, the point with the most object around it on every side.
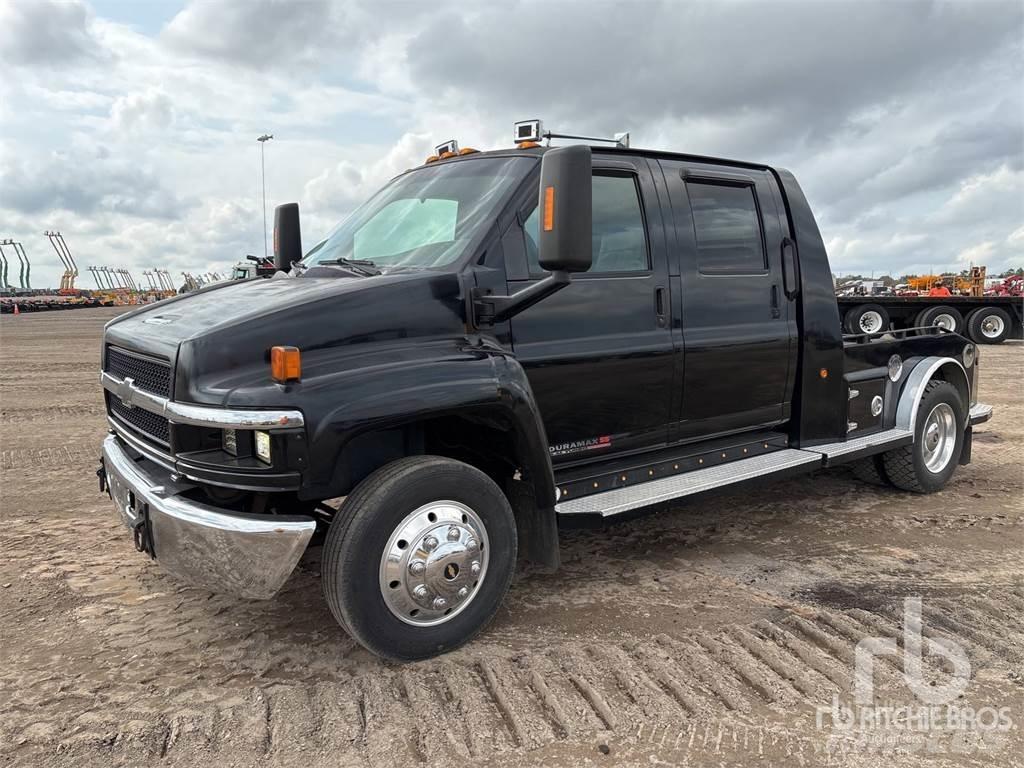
(151, 425)
(149, 374)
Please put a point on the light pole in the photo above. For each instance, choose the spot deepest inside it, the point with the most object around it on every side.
(263, 181)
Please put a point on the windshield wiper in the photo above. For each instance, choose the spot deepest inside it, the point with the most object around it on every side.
(363, 266)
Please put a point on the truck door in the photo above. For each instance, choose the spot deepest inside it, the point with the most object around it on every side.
(739, 329)
(599, 353)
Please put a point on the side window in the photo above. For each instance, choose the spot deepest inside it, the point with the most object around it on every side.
(619, 236)
(728, 228)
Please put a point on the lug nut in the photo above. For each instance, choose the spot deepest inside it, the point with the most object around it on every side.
(440, 603)
(462, 593)
(454, 533)
(430, 543)
(420, 591)
(416, 567)
(471, 545)
(474, 568)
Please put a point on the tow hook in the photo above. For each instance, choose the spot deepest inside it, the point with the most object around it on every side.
(141, 532)
(101, 473)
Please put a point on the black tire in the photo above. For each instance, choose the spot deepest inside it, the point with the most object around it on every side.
(905, 467)
(984, 324)
(870, 469)
(948, 317)
(863, 312)
(355, 545)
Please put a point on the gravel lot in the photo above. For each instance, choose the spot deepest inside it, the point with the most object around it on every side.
(706, 634)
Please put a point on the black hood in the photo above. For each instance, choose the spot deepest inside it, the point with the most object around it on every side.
(219, 338)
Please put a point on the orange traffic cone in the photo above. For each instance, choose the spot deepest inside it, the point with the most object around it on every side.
(16, 310)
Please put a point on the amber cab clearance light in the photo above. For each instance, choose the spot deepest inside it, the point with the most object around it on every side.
(285, 364)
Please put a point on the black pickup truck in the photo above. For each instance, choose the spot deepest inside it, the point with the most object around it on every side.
(493, 342)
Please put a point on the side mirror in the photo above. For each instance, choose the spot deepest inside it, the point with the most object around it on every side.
(287, 236)
(565, 206)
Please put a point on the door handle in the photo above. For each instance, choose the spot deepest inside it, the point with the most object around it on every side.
(659, 305)
(790, 268)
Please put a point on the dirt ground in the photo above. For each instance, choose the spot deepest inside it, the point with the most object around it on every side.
(716, 632)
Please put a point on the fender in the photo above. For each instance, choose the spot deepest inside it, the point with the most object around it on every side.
(923, 372)
(478, 380)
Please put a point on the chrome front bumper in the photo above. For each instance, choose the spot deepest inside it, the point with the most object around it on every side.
(228, 552)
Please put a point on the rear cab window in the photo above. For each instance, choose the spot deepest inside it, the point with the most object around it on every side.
(727, 227)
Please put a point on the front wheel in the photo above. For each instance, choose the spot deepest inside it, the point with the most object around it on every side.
(927, 464)
(420, 557)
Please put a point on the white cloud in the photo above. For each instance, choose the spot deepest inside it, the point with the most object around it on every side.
(902, 121)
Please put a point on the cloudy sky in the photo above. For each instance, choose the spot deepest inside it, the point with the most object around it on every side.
(131, 125)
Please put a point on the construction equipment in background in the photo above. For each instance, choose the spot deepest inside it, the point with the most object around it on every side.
(67, 280)
(974, 284)
(160, 285)
(4, 285)
(24, 268)
(166, 283)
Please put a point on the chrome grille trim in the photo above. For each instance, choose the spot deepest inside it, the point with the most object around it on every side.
(199, 415)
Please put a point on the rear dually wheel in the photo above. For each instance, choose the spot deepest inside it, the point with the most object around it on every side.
(927, 464)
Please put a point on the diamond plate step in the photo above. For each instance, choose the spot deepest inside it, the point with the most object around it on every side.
(644, 494)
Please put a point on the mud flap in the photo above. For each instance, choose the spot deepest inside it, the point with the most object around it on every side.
(537, 528)
(965, 452)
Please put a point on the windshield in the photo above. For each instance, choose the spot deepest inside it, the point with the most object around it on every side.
(425, 218)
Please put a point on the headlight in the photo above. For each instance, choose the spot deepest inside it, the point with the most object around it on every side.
(969, 355)
(263, 446)
(895, 368)
(230, 442)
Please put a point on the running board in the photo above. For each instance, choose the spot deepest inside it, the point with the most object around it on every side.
(620, 500)
(854, 448)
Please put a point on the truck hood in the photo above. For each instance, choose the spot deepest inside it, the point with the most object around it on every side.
(159, 329)
(218, 339)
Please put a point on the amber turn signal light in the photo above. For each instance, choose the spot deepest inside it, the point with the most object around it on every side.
(549, 209)
(285, 364)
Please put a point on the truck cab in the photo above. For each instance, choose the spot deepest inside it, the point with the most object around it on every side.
(494, 342)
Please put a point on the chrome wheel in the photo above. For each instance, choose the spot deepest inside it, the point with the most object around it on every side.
(946, 321)
(939, 437)
(434, 563)
(870, 322)
(992, 326)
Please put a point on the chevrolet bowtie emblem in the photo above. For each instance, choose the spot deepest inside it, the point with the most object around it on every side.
(126, 391)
